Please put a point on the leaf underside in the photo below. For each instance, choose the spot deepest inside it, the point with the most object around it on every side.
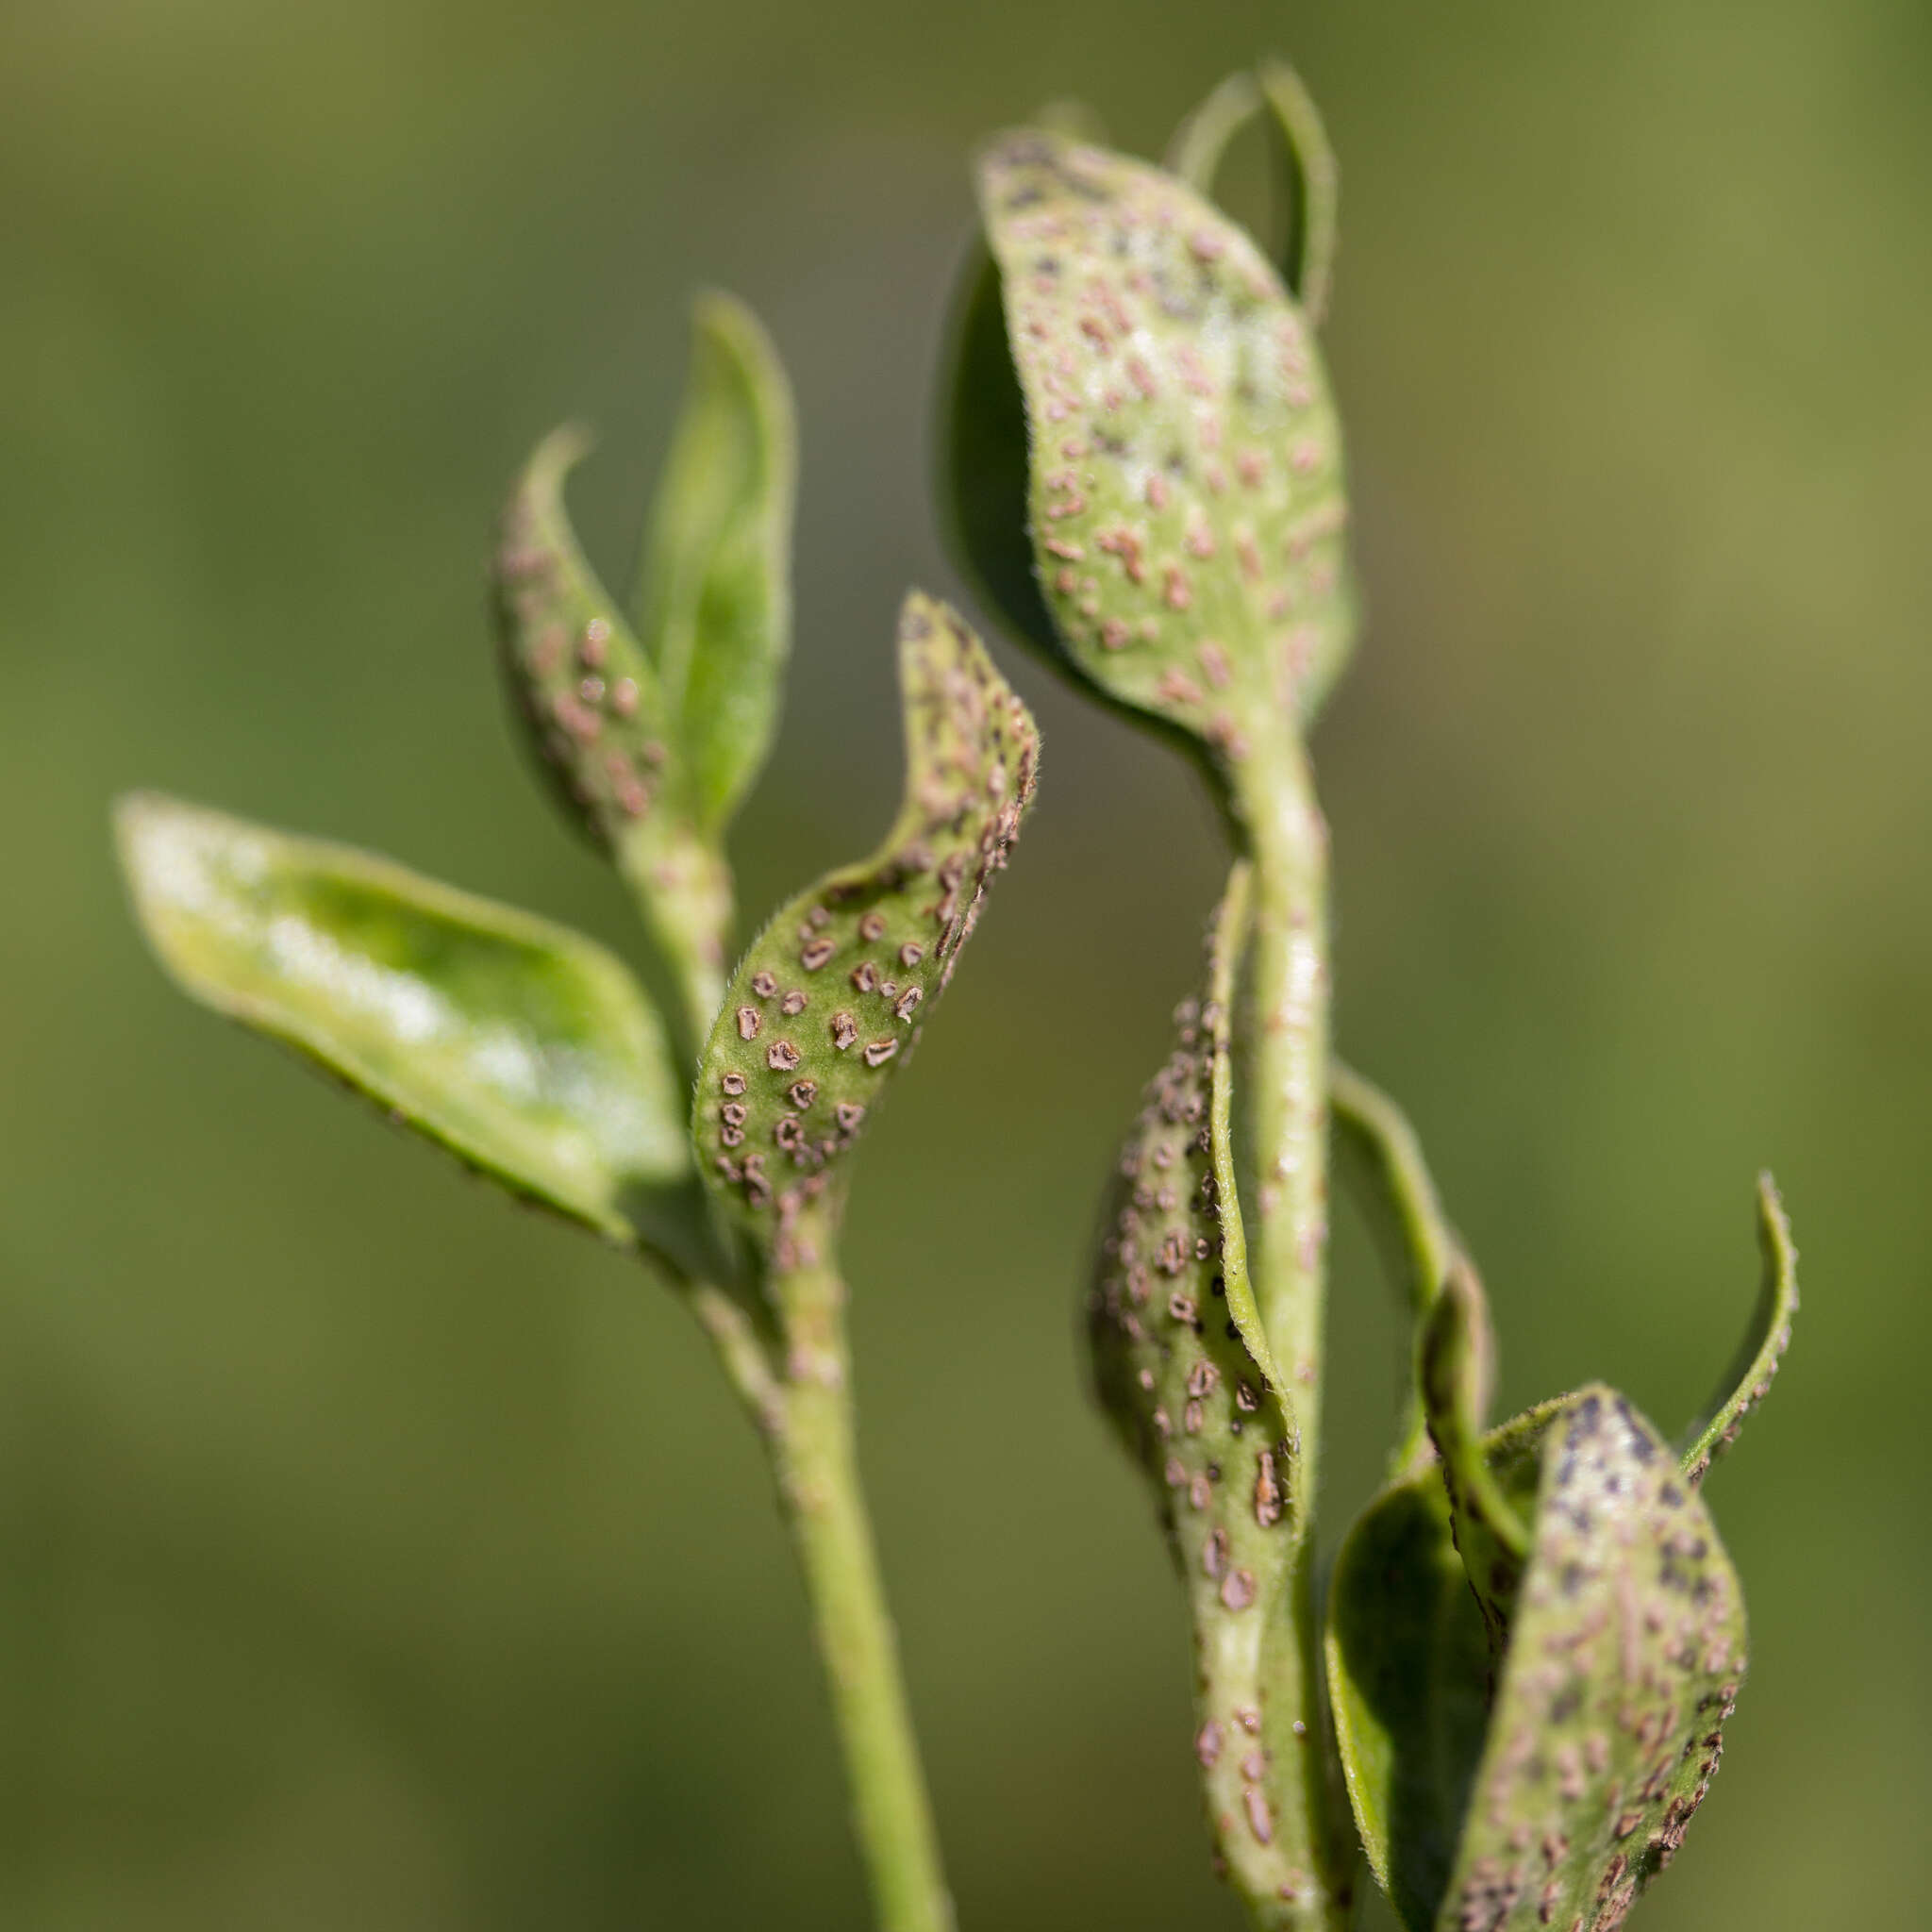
(827, 1002)
(1624, 1651)
(1182, 1368)
(1185, 499)
(518, 1045)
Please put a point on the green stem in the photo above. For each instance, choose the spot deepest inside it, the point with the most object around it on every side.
(819, 1485)
(1284, 1041)
(682, 889)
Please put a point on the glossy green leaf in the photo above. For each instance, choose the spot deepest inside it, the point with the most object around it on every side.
(1749, 1377)
(714, 600)
(1182, 1368)
(828, 1001)
(597, 717)
(1184, 501)
(1622, 1650)
(520, 1047)
(1310, 183)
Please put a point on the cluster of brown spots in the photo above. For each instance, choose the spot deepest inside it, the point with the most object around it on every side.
(1222, 391)
(829, 998)
(578, 679)
(1622, 1650)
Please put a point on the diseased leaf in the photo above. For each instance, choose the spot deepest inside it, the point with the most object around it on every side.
(525, 1049)
(1182, 1368)
(1626, 1649)
(828, 1001)
(1749, 1377)
(1408, 1670)
(596, 715)
(1310, 183)
(1185, 501)
(1620, 1647)
(714, 595)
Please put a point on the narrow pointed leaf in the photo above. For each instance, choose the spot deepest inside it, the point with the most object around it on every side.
(1182, 1368)
(714, 593)
(1185, 499)
(520, 1047)
(1748, 1379)
(596, 715)
(827, 1004)
(1310, 183)
(1407, 1216)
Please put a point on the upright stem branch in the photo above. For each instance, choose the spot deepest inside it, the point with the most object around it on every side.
(1284, 1042)
(819, 1485)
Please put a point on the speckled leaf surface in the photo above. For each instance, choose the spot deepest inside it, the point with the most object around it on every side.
(1626, 1649)
(1408, 1677)
(518, 1045)
(1745, 1383)
(1184, 498)
(1623, 1648)
(588, 694)
(714, 595)
(827, 1002)
(1182, 1368)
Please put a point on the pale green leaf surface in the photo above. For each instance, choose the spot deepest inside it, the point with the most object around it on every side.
(715, 595)
(1457, 1365)
(1749, 1377)
(1185, 499)
(828, 1001)
(525, 1049)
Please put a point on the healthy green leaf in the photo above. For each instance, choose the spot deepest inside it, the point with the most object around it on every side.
(1185, 501)
(714, 597)
(1408, 1668)
(1622, 1650)
(1749, 1377)
(596, 715)
(827, 1002)
(1309, 179)
(1182, 1368)
(523, 1048)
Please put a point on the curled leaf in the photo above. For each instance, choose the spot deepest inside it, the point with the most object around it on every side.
(1310, 182)
(596, 714)
(1184, 500)
(1749, 1377)
(827, 1002)
(1457, 1363)
(715, 595)
(1407, 1216)
(1182, 1368)
(1622, 1650)
(525, 1050)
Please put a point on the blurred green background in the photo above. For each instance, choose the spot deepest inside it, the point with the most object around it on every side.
(374, 1554)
